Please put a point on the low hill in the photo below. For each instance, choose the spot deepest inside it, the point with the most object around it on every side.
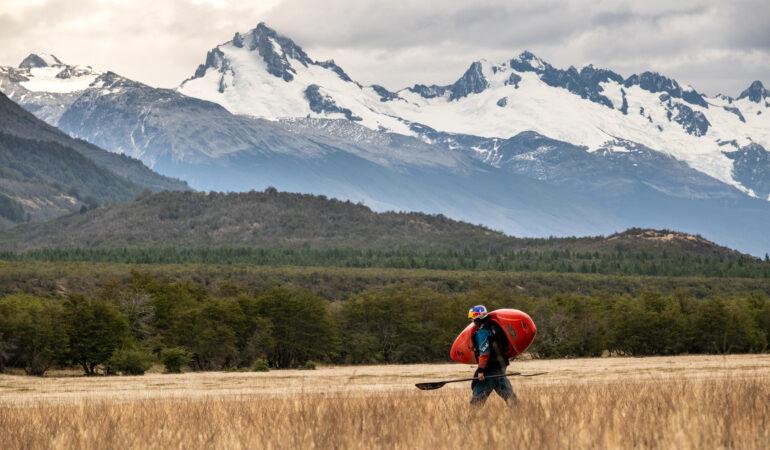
(275, 220)
(255, 219)
(662, 240)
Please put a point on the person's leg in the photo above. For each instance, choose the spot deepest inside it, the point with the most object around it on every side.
(481, 391)
(505, 390)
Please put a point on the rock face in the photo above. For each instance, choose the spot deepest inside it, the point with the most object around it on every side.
(654, 82)
(693, 122)
(34, 60)
(472, 82)
(585, 83)
(321, 103)
(755, 93)
(752, 168)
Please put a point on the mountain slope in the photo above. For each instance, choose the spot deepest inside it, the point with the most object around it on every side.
(42, 177)
(16, 121)
(28, 167)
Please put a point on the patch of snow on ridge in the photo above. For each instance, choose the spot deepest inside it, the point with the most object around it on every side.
(614, 92)
(43, 79)
(51, 60)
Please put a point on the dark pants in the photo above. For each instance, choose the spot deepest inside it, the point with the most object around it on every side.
(501, 385)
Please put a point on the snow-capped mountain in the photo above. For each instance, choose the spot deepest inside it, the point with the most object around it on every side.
(46, 86)
(519, 146)
(263, 74)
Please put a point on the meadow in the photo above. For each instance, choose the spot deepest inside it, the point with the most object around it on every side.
(703, 401)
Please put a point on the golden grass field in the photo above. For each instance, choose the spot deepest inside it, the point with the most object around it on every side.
(658, 402)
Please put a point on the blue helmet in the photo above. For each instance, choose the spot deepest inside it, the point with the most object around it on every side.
(477, 312)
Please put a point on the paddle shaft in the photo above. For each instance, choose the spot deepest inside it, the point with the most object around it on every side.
(491, 376)
(438, 384)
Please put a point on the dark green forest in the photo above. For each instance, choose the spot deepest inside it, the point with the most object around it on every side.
(623, 262)
(113, 319)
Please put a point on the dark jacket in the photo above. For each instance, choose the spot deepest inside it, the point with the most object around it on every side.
(489, 344)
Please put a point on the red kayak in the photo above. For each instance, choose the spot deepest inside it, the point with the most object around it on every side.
(517, 325)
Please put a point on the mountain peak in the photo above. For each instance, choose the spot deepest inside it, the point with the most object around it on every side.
(262, 28)
(527, 61)
(472, 82)
(273, 48)
(276, 49)
(39, 60)
(756, 92)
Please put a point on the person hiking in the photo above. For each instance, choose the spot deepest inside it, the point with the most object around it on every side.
(489, 343)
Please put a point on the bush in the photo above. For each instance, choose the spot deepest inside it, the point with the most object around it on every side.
(260, 365)
(130, 361)
(175, 358)
(309, 365)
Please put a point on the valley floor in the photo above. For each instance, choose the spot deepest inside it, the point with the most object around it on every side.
(702, 401)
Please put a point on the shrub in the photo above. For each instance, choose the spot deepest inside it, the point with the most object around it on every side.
(175, 358)
(260, 365)
(309, 365)
(130, 361)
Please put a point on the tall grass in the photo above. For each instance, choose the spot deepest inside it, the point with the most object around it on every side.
(657, 412)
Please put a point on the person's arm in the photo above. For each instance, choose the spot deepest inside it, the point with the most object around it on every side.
(484, 352)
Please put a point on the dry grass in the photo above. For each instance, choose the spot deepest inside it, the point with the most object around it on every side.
(678, 402)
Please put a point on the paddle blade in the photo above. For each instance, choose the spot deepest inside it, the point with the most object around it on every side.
(430, 386)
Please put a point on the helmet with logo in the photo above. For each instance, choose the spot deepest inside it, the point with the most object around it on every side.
(477, 312)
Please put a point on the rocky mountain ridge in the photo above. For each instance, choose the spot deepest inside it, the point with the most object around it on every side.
(263, 74)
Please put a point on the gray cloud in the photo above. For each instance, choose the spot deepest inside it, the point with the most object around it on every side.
(716, 46)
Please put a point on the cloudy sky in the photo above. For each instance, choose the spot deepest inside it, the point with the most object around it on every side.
(716, 46)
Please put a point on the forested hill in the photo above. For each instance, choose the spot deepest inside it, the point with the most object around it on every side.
(279, 221)
(40, 180)
(256, 219)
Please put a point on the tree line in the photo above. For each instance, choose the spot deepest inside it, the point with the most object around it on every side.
(127, 325)
(626, 262)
